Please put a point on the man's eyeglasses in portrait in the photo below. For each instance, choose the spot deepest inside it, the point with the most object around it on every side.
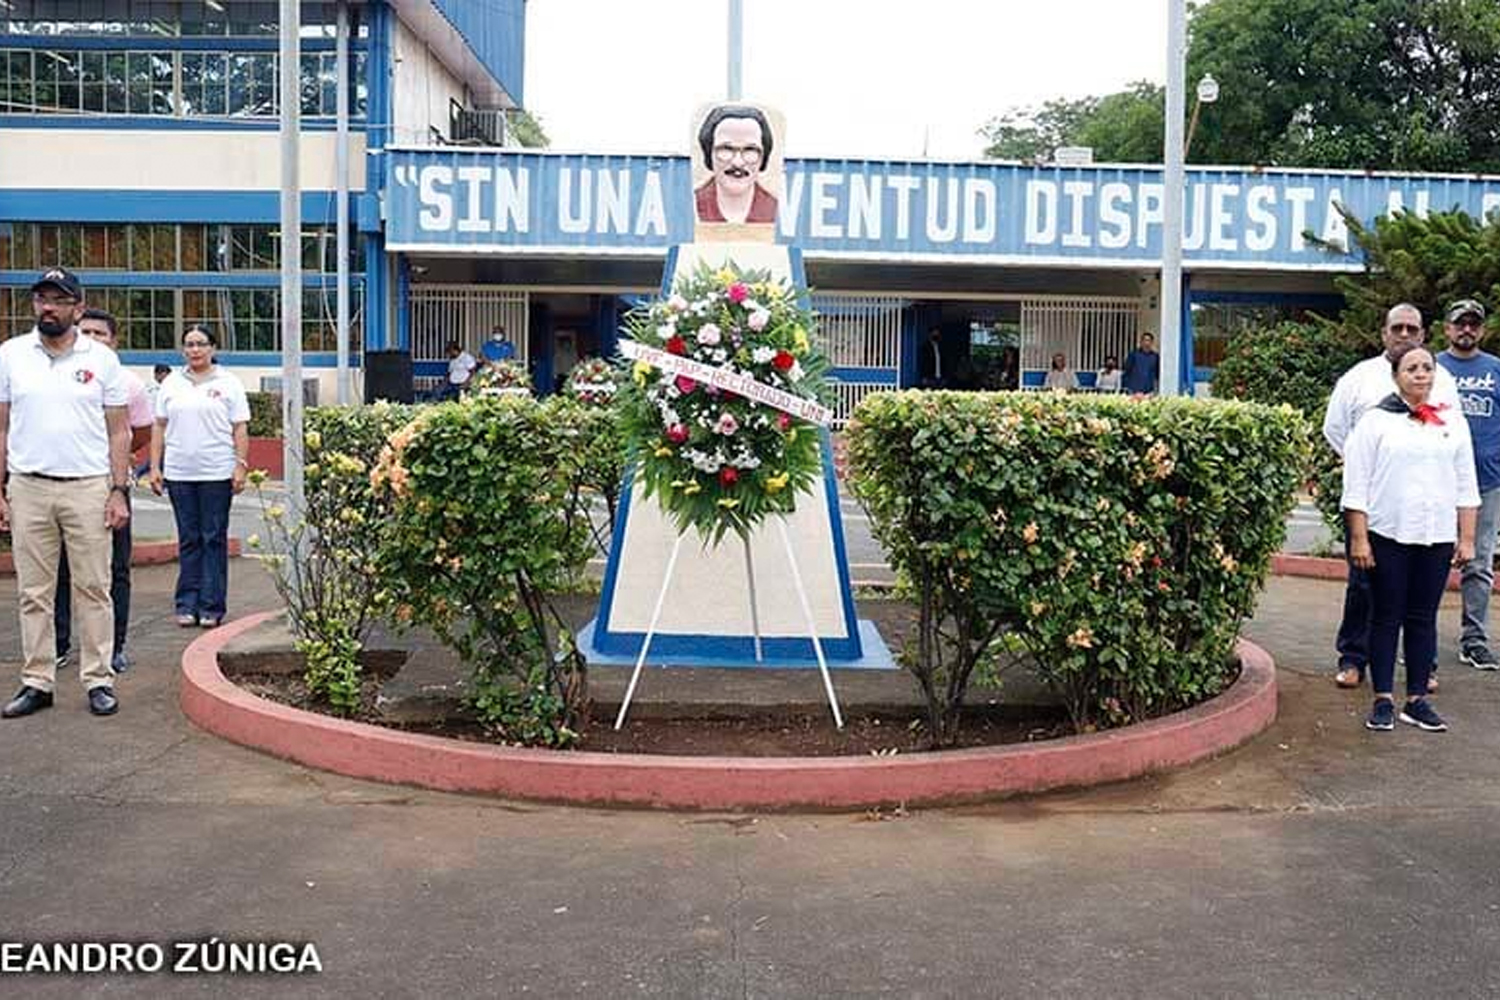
(750, 154)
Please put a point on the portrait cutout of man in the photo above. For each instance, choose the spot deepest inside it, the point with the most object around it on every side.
(737, 178)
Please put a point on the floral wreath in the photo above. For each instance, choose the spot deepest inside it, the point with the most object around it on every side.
(716, 459)
(500, 378)
(594, 382)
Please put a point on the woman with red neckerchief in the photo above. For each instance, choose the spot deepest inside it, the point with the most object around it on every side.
(1411, 500)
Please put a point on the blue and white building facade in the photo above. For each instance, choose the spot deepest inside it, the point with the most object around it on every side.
(138, 146)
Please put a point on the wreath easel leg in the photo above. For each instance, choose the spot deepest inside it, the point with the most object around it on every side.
(640, 660)
(754, 610)
(812, 625)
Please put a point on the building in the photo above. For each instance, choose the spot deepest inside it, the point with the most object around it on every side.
(138, 145)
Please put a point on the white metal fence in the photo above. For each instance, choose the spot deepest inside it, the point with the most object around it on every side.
(1084, 329)
(863, 332)
(467, 314)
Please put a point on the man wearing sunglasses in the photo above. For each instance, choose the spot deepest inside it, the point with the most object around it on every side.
(1477, 374)
(1358, 390)
(65, 442)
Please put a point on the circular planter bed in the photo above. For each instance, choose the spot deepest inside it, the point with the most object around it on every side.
(681, 781)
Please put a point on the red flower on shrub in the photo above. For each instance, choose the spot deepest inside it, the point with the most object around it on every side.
(676, 345)
(738, 293)
(783, 361)
(729, 475)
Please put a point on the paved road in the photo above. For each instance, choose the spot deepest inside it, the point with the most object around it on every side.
(1320, 860)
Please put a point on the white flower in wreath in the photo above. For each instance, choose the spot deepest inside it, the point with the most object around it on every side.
(671, 392)
(720, 355)
(795, 374)
(709, 334)
(669, 416)
(758, 319)
(726, 425)
(763, 355)
(666, 331)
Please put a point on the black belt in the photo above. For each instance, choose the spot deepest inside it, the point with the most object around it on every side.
(59, 479)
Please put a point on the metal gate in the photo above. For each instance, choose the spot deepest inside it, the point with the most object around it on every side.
(861, 334)
(467, 314)
(1084, 329)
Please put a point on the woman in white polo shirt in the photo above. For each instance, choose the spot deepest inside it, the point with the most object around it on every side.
(1411, 500)
(202, 420)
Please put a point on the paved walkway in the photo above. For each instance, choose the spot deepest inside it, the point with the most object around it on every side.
(1319, 861)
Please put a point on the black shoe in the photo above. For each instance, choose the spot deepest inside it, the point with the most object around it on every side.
(26, 701)
(102, 701)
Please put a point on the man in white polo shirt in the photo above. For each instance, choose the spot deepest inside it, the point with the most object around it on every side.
(65, 442)
(1357, 391)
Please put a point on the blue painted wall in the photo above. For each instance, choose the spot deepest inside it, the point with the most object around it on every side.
(495, 31)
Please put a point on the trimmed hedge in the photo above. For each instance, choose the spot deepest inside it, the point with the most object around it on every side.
(1120, 542)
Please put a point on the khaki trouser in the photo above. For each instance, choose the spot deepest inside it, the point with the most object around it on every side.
(45, 513)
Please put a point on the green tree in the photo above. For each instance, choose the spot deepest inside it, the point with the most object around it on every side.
(1385, 84)
(1378, 84)
(1428, 262)
(1121, 128)
(526, 130)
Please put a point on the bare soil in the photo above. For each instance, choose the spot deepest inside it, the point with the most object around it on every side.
(777, 735)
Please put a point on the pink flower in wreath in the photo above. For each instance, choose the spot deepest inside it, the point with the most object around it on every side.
(783, 422)
(677, 434)
(685, 385)
(738, 292)
(758, 320)
(726, 425)
(709, 334)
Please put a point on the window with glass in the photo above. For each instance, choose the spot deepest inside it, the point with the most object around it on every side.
(168, 18)
(169, 84)
(29, 246)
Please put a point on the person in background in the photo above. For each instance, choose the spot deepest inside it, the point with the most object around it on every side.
(159, 372)
(1356, 391)
(1108, 379)
(198, 454)
(1411, 501)
(932, 368)
(461, 366)
(1142, 367)
(1060, 378)
(65, 443)
(1477, 374)
(100, 325)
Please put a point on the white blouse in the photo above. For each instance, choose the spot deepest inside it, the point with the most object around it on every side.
(1408, 477)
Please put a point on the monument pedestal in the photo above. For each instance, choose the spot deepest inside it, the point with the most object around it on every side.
(706, 616)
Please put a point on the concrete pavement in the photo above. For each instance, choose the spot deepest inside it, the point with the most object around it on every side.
(1319, 861)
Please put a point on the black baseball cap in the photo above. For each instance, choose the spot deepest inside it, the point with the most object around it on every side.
(62, 279)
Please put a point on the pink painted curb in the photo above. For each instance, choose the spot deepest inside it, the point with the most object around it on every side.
(1319, 568)
(719, 783)
(141, 554)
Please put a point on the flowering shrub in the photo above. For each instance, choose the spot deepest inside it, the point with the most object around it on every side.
(716, 460)
(1120, 542)
(485, 522)
(323, 558)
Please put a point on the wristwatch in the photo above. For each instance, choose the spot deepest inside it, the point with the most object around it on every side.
(117, 488)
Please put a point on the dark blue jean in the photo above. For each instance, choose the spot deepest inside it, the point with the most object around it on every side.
(1353, 642)
(202, 513)
(119, 591)
(1406, 586)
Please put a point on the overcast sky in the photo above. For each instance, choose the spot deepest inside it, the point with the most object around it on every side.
(858, 78)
